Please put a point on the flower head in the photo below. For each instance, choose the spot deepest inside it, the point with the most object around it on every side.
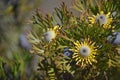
(51, 33)
(102, 19)
(84, 53)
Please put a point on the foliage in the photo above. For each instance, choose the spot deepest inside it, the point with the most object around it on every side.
(15, 68)
(13, 60)
(71, 33)
(13, 17)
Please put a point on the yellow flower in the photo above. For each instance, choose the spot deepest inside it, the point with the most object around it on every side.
(102, 19)
(51, 33)
(84, 53)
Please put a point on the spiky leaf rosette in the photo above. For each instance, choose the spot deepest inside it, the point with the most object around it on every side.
(45, 37)
(91, 54)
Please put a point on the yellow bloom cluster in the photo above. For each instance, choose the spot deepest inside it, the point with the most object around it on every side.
(84, 52)
(51, 33)
(101, 19)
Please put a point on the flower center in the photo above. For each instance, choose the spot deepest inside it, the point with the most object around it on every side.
(84, 51)
(49, 35)
(102, 19)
